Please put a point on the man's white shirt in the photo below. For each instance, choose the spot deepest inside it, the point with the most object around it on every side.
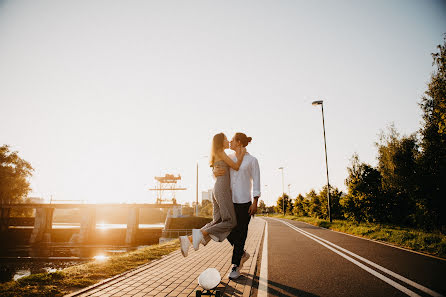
(245, 179)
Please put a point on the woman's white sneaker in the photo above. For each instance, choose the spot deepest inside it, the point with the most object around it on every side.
(185, 244)
(197, 238)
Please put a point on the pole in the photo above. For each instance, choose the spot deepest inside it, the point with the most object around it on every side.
(283, 195)
(283, 192)
(196, 205)
(283, 187)
(326, 165)
(266, 192)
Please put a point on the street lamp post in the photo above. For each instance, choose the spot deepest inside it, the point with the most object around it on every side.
(267, 194)
(196, 201)
(283, 192)
(321, 103)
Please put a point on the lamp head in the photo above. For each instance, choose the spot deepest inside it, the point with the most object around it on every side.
(319, 102)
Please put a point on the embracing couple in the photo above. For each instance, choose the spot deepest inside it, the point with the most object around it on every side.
(237, 180)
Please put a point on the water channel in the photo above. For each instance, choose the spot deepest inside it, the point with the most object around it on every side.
(19, 261)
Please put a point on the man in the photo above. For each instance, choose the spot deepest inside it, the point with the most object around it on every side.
(245, 183)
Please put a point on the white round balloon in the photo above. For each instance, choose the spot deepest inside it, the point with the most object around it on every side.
(209, 279)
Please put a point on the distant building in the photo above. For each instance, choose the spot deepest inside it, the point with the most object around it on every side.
(206, 195)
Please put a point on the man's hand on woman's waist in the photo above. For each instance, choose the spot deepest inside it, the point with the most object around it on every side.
(218, 171)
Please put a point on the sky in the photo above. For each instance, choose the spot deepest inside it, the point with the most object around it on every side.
(102, 96)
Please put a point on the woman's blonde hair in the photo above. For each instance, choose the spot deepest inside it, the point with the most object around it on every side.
(217, 145)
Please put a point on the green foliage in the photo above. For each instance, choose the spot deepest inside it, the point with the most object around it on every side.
(407, 186)
(40, 279)
(270, 209)
(300, 206)
(206, 209)
(365, 200)
(288, 204)
(316, 209)
(434, 102)
(14, 174)
(397, 165)
(188, 210)
(279, 205)
(335, 207)
(432, 162)
(20, 212)
(261, 208)
(397, 160)
(312, 204)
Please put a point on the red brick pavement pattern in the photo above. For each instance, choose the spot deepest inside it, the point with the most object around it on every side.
(175, 275)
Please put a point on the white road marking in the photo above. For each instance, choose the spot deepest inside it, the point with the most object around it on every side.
(263, 277)
(389, 272)
(378, 241)
(373, 272)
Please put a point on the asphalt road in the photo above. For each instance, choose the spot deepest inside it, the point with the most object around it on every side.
(336, 264)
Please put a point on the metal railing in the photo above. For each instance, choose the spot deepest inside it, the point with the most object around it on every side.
(174, 233)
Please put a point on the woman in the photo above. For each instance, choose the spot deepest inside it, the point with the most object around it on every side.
(224, 219)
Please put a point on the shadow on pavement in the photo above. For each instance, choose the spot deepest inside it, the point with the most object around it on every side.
(277, 289)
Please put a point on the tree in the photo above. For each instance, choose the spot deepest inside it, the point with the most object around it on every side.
(262, 207)
(279, 205)
(364, 200)
(397, 165)
(187, 210)
(432, 162)
(14, 174)
(289, 206)
(280, 201)
(206, 208)
(315, 205)
(14, 185)
(335, 196)
(434, 101)
(270, 209)
(300, 206)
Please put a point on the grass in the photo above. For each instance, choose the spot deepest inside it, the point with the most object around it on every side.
(73, 278)
(414, 239)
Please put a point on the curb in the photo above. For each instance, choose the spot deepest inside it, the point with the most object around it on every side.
(253, 269)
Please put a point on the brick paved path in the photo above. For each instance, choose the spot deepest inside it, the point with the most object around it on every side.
(175, 275)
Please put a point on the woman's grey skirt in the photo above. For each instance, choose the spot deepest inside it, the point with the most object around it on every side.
(224, 218)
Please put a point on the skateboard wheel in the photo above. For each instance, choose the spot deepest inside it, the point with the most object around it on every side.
(217, 294)
(198, 293)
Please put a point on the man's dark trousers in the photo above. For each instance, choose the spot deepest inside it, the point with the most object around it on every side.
(238, 235)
